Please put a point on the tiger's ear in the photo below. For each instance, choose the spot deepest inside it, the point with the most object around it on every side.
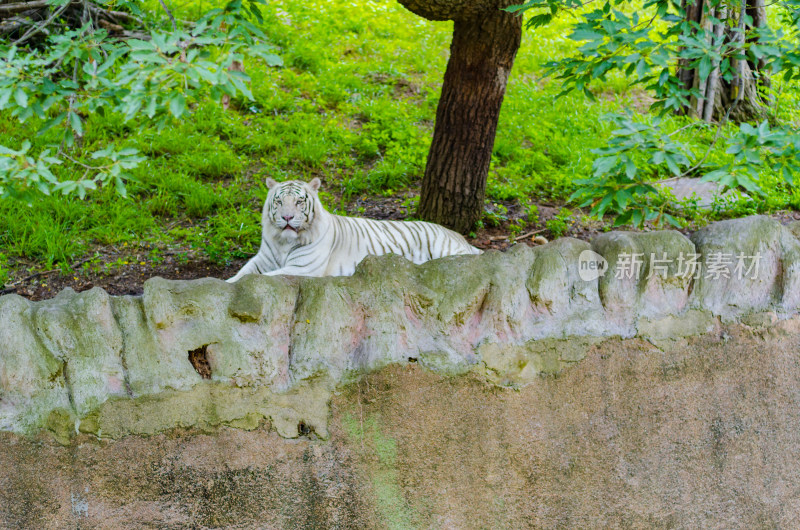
(315, 184)
(271, 183)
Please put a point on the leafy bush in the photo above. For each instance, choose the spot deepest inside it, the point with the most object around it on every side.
(86, 72)
(559, 224)
(647, 47)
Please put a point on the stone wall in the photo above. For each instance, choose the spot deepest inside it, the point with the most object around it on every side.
(406, 384)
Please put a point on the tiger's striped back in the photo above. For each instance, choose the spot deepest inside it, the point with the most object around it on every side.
(300, 237)
(417, 241)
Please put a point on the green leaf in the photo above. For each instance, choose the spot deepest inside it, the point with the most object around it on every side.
(673, 167)
(671, 220)
(585, 34)
(177, 105)
(602, 206)
(119, 184)
(623, 219)
(76, 123)
(8, 152)
(21, 98)
(49, 124)
(630, 169)
(787, 175)
(622, 197)
(637, 218)
(715, 176)
(5, 96)
(604, 165)
(705, 68)
(270, 59)
(102, 153)
(152, 107)
(208, 76)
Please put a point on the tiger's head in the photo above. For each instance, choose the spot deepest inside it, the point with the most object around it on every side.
(290, 209)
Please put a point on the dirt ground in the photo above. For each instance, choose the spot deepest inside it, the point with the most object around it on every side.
(123, 270)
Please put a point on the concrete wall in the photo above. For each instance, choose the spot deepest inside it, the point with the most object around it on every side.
(481, 391)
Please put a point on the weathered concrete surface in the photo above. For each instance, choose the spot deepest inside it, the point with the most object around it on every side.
(704, 433)
(502, 390)
(275, 348)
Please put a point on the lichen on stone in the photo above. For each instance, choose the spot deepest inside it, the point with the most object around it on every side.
(272, 350)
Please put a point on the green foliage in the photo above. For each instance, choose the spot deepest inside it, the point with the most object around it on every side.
(636, 151)
(532, 214)
(756, 147)
(617, 182)
(645, 47)
(84, 72)
(559, 224)
(495, 214)
(354, 105)
(646, 44)
(3, 268)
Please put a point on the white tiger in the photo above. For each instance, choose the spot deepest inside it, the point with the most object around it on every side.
(299, 237)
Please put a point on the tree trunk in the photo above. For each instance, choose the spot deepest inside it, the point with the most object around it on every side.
(481, 56)
(717, 95)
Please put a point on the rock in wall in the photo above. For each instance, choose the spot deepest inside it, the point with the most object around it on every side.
(643, 380)
(208, 353)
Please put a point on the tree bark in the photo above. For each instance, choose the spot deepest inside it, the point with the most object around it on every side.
(481, 56)
(717, 95)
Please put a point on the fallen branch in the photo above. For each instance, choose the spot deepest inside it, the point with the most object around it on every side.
(39, 28)
(8, 9)
(31, 277)
(36, 17)
(12, 286)
(117, 15)
(10, 25)
(523, 236)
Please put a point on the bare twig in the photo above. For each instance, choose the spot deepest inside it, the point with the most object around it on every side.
(523, 236)
(38, 28)
(110, 26)
(12, 286)
(32, 276)
(22, 6)
(138, 35)
(79, 163)
(687, 126)
(169, 14)
(118, 15)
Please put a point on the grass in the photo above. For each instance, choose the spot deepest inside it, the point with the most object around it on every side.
(354, 104)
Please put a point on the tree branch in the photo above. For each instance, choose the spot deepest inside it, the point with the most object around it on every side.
(7, 9)
(117, 15)
(38, 28)
(454, 9)
(169, 14)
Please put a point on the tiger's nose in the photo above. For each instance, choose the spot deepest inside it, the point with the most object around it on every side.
(287, 218)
